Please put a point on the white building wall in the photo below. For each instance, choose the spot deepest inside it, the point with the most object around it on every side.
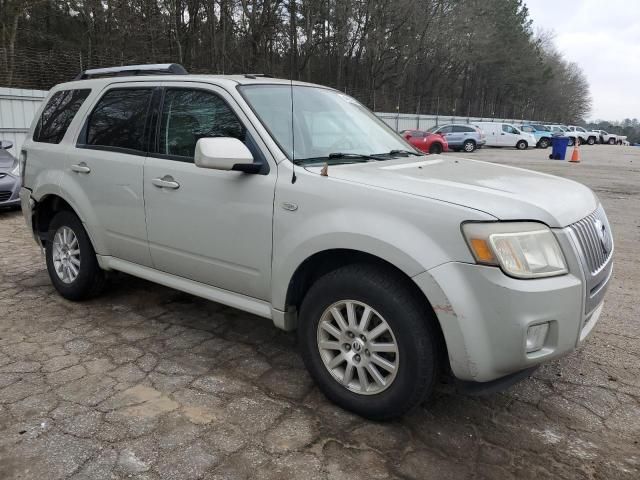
(17, 109)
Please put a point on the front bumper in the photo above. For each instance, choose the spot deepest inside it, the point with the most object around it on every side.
(485, 315)
(9, 190)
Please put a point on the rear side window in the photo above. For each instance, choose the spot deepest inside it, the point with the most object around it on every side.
(447, 129)
(119, 119)
(57, 115)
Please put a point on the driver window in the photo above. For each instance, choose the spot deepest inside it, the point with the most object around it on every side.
(188, 115)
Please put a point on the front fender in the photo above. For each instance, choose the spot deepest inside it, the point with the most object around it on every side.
(412, 233)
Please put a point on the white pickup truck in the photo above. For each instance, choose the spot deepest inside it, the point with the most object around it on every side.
(610, 138)
(586, 136)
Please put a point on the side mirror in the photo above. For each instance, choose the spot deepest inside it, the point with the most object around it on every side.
(225, 153)
(6, 144)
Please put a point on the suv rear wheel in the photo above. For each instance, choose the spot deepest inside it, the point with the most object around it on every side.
(469, 146)
(368, 341)
(522, 145)
(71, 260)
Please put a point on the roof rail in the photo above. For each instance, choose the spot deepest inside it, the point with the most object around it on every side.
(150, 69)
(257, 75)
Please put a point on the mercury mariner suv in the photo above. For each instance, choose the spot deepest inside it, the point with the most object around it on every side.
(293, 202)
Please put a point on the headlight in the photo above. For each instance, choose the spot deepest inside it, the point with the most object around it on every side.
(15, 171)
(520, 249)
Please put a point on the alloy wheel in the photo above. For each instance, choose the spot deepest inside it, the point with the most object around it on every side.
(358, 347)
(66, 254)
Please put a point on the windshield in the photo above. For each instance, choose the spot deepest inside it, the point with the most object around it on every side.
(328, 124)
(542, 128)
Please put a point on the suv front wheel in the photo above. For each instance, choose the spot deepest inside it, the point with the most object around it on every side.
(71, 260)
(368, 341)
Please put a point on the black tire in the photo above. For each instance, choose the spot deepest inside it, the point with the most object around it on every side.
(544, 142)
(612, 141)
(469, 146)
(591, 141)
(435, 148)
(522, 145)
(90, 279)
(410, 320)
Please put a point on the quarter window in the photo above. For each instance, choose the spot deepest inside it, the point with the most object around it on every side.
(119, 119)
(188, 115)
(58, 114)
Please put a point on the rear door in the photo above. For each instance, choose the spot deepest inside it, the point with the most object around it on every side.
(210, 226)
(105, 170)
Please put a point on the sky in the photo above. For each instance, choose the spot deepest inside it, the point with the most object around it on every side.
(603, 38)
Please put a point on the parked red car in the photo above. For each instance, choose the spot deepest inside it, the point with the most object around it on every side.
(426, 141)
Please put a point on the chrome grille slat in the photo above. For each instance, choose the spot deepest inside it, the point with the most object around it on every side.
(589, 239)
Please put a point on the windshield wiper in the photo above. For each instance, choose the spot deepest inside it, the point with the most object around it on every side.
(406, 152)
(339, 155)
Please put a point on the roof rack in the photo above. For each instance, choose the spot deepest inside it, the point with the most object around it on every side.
(257, 75)
(150, 69)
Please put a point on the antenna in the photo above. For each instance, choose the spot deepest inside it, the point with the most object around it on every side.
(293, 134)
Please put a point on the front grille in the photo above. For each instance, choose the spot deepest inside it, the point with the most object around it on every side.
(595, 239)
(4, 196)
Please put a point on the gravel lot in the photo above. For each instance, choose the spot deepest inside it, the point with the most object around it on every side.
(148, 382)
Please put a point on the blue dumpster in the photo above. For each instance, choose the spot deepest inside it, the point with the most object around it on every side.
(559, 148)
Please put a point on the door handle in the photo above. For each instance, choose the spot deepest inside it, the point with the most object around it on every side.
(166, 182)
(80, 168)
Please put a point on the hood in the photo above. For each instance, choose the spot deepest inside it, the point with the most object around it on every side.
(6, 160)
(507, 193)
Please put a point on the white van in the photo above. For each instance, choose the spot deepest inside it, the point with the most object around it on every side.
(506, 135)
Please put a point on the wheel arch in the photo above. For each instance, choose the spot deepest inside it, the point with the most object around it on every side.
(46, 208)
(325, 261)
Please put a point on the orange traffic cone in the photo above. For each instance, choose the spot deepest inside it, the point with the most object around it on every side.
(575, 156)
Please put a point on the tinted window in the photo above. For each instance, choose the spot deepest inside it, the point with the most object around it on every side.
(528, 129)
(509, 129)
(188, 115)
(119, 119)
(458, 129)
(57, 115)
(447, 129)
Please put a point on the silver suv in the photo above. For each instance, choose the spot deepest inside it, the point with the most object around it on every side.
(293, 202)
(461, 136)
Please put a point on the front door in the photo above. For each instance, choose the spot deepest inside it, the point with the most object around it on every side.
(509, 136)
(210, 226)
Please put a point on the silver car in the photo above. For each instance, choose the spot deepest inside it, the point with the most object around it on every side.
(9, 177)
(461, 136)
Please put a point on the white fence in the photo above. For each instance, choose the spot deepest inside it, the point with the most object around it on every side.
(17, 109)
(405, 121)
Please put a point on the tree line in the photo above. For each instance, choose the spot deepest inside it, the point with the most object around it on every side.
(452, 57)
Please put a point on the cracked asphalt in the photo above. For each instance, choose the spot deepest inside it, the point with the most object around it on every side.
(149, 383)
